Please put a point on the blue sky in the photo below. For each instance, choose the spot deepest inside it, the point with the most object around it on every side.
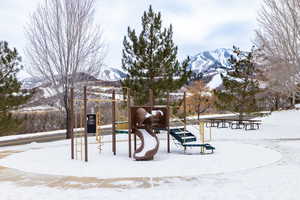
(198, 24)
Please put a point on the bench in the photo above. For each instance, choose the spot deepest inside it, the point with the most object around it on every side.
(237, 125)
(252, 125)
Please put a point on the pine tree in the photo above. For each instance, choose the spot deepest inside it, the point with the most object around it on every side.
(11, 95)
(240, 86)
(150, 60)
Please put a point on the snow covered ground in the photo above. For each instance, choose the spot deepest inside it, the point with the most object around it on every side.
(247, 165)
(177, 163)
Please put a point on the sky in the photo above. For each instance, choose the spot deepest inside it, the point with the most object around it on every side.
(198, 25)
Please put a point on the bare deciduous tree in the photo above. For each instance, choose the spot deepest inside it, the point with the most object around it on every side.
(63, 42)
(279, 41)
(199, 98)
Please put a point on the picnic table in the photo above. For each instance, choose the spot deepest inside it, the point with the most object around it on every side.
(247, 124)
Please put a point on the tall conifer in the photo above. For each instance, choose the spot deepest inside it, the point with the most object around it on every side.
(240, 86)
(150, 59)
(11, 95)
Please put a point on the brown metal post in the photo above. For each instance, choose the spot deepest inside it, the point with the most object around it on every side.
(72, 121)
(134, 142)
(184, 108)
(129, 122)
(168, 121)
(85, 125)
(114, 122)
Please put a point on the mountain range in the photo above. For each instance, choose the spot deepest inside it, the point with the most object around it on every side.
(206, 63)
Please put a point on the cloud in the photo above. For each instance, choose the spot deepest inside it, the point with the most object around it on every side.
(198, 24)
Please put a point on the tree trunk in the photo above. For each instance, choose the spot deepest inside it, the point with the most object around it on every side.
(276, 103)
(240, 117)
(68, 114)
(68, 123)
(293, 100)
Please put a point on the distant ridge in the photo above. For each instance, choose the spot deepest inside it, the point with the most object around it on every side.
(206, 63)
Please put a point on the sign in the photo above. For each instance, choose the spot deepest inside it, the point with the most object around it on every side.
(91, 123)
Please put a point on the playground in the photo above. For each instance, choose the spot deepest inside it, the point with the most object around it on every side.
(152, 152)
(260, 164)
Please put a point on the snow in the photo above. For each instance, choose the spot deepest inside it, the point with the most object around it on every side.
(37, 108)
(164, 165)
(210, 61)
(49, 92)
(215, 82)
(149, 143)
(248, 165)
(31, 135)
(280, 125)
(208, 116)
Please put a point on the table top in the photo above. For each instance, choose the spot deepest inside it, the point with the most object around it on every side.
(231, 119)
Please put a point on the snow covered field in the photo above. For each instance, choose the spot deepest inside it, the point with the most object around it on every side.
(247, 165)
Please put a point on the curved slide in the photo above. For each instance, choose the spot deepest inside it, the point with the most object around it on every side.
(149, 145)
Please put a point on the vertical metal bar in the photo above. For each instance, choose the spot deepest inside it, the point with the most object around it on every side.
(114, 122)
(168, 122)
(129, 122)
(184, 107)
(134, 142)
(85, 125)
(72, 121)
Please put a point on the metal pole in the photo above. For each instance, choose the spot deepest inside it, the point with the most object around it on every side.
(129, 122)
(114, 122)
(184, 107)
(85, 125)
(168, 122)
(72, 121)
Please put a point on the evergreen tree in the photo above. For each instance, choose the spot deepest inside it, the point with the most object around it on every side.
(11, 95)
(240, 86)
(150, 60)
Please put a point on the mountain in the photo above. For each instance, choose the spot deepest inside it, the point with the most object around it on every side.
(37, 82)
(205, 65)
(32, 82)
(111, 74)
(207, 62)
(209, 65)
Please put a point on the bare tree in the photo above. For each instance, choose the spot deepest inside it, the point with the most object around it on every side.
(63, 42)
(199, 99)
(279, 41)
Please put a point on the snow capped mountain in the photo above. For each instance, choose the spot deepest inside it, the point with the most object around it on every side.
(111, 74)
(31, 82)
(207, 62)
(209, 65)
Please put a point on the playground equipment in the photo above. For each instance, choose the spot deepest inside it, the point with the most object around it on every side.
(90, 124)
(185, 138)
(143, 123)
(144, 120)
(99, 136)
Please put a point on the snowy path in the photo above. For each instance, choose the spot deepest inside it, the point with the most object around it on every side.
(275, 181)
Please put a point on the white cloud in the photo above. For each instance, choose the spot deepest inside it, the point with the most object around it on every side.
(196, 23)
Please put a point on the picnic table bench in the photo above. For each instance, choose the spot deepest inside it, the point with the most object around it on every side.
(247, 124)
